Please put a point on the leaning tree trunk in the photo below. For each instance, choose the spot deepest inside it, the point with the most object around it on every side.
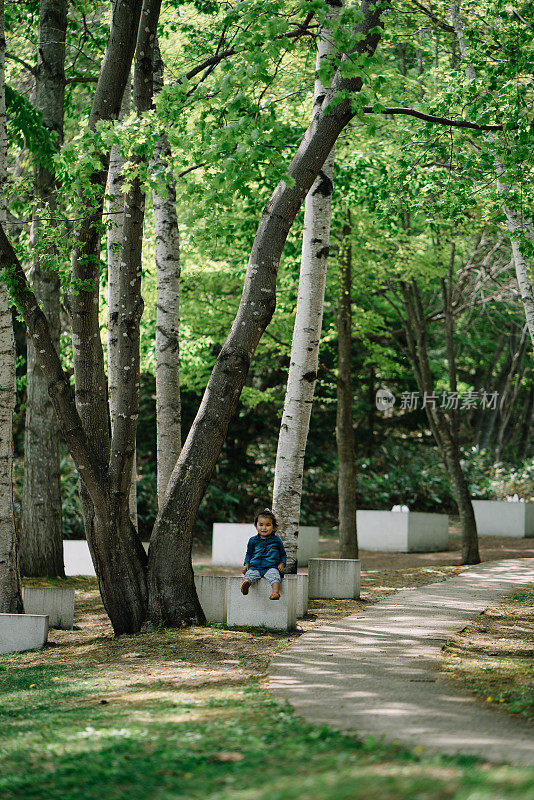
(10, 592)
(170, 575)
(346, 483)
(514, 221)
(168, 404)
(110, 534)
(171, 590)
(41, 541)
(302, 376)
(444, 430)
(114, 254)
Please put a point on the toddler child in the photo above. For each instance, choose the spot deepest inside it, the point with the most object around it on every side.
(266, 556)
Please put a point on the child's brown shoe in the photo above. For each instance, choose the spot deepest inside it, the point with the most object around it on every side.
(275, 596)
(245, 586)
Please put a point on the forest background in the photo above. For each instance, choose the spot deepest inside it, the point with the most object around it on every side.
(414, 199)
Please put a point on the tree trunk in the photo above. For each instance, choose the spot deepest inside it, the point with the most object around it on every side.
(443, 431)
(10, 591)
(169, 573)
(348, 539)
(302, 376)
(486, 439)
(105, 501)
(114, 254)
(514, 221)
(507, 405)
(41, 543)
(524, 428)
(172, 595)
(168, 405)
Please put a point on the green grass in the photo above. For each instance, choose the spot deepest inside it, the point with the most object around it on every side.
(493, 656)
(171, 739)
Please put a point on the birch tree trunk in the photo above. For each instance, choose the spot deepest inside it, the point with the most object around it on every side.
(514, 221)
(170, 574)
(302, 376)
(41, 542)
(10, 591)
(114, 254)
(117, 552)
(348, 539)
(168, 404)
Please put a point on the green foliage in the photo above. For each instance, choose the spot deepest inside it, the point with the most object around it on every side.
(26, 128)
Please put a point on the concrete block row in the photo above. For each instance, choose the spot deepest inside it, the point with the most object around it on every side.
(334, 578)
(222, 601)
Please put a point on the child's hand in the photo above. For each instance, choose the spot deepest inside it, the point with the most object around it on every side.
(245, 568)
(281, 568)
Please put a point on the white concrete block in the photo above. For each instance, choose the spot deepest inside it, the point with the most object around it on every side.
(307, 544)
(230, 539)
(334, 578)
(212, 593)
(501, 518)
(256, 609)
(302, 593)
(57, 604)
(402, 531)
(77, 558)
(20, 632)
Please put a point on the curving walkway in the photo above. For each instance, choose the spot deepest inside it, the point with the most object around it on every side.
(376, 673)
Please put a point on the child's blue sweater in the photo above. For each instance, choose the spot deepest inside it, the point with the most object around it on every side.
(265, 553)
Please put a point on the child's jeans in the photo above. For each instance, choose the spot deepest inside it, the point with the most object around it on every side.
(272, 575)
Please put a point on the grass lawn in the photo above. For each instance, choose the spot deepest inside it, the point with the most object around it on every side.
(185, 714)
(494, 655)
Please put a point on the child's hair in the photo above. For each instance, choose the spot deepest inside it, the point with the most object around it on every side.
(266, 513)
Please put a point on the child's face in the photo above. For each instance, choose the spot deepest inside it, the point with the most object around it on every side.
(264, 526)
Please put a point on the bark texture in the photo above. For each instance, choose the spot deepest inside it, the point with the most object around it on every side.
(302, 375)
(168, 404)
(10, 591)
(348, 539)
(111, 536)
(41, 544)
(443, 429)
(515, 223)
(115, 225)
(171, 541)
(118, 555)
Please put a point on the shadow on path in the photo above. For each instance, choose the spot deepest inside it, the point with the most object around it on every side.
(376, 673)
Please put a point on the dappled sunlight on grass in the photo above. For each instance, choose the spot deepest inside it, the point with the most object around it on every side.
(494, 655)
(182, 714)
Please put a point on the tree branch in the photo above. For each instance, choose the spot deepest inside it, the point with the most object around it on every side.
(25, 64)
(82, 79)
(443, 25)
(453, 123)
(212, 61)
